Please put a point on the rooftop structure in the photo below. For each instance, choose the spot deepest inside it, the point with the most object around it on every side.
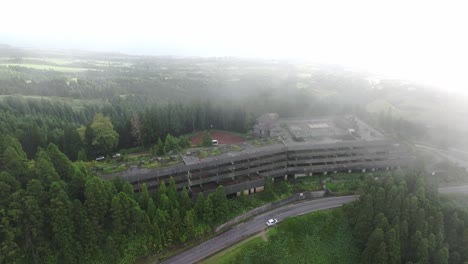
(265, 124)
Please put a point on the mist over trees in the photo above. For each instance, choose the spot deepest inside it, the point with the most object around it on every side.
(55, 211)
(400, 219)
(147, 98)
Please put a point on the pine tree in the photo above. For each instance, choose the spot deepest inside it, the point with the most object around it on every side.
(16, 164)
(404, 240)
(44, 169)
(268, 193)
(189, 224)
(80, 223)
(381, 222)
(206, 139)
(97, 206)
(71, 143)
(160, 150)
(171, 143)
(62, 165)
(127, 188)
(393, 247)
(209, 210)
(144, 197)
(76, 186)
(176, 225)
(200, 206)
(442, 256)
(364, 222)
(62, 224)
(185, 201)
(375, 251)
(422, 254)
(8, 186)
(9, 249)
(220, 204)
(162, 190)
(28, 217)
(172, 194)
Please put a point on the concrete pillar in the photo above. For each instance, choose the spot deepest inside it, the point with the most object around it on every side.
(238, 194)
(246, 192)
(286, 177)
(252, 190)
(325, 173)
(259, 189)
(349, 171)
(363, 170)
(373, 169)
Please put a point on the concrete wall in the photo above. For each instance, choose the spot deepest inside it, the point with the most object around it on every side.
(268, 207)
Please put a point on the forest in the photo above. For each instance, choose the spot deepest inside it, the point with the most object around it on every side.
(403, 219)
(55, 211)
(147, 98)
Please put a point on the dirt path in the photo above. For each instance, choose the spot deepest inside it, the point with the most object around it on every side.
(222, 137)
(264, 237)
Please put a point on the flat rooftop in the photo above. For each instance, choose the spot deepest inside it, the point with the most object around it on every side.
(232, 150)
(292, 132)
(325, 130)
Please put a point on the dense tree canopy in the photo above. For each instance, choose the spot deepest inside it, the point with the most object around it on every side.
(105, 138)
(399, 219)
(55, 211)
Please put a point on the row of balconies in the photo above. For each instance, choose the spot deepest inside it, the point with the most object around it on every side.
(277, 162)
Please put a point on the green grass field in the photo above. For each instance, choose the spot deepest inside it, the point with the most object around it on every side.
(230, 253)
(46, 67)
(318, 237)
(75, 104)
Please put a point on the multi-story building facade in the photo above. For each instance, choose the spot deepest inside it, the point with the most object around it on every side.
(297, 148)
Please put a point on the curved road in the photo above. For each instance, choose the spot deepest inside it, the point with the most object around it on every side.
(255, 225)
(456, 189)
(446, 154)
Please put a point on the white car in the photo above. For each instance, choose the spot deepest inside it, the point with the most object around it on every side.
(271, 222)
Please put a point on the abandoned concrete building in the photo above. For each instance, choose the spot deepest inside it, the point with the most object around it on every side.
(298, 147)
(265, 124)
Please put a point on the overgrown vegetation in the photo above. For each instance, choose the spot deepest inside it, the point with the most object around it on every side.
(271, 193)
(55, 211)
(319, 237)
(226, 255)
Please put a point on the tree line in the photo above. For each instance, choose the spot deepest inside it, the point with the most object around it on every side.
(399, 219)
(129, 121)
(55, 211)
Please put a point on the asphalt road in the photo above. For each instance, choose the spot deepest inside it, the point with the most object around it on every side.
(255, 225)
(446, 154)
(456, 189)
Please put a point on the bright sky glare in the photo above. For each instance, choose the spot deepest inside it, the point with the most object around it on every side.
(418, 40)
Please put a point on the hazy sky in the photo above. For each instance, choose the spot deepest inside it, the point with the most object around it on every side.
(419, 40)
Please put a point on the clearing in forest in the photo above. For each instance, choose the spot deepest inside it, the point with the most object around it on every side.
(222, 137)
